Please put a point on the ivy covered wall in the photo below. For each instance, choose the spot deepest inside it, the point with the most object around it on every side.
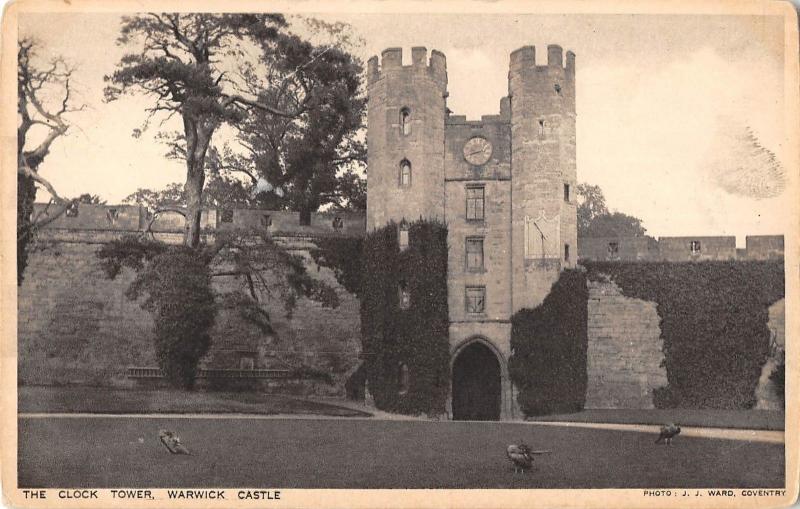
(549, 343)
(713, 325)
(404, 318)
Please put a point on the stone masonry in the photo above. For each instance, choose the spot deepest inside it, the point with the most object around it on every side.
(624, 352)
(76, 326)
(624, 357)
(515, 201)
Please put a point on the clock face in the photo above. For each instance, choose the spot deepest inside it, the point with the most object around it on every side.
(477, 151)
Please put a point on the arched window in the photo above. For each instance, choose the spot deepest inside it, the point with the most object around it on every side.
(402, 378)
(405, 121)
(402, 237)
(405, 173)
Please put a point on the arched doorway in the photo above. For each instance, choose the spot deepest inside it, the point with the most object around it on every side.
(476, 384)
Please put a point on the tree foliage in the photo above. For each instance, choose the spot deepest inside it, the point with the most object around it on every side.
(591, 203)
(181, 65)
(235, 69)
(182, 332)
(594, 219)
(615, 224)
(175, 284)
(311, 156)
(90, 199)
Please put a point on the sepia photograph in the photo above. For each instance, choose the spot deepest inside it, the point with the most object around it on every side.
(267, 249)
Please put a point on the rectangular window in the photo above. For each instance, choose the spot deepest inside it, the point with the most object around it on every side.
(613, 248)
(476, 299)
(403, 237)
(227, 215)
(246, 363)
(266, 221)
(475, 253)
(694, 246)
(475, 203)
(566, 252)
(566, 192)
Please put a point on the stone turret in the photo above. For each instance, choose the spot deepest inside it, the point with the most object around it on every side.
(406, 116)
(544, 231)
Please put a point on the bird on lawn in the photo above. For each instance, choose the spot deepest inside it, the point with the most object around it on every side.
(668, 431)
(521, 456)
(172, 442)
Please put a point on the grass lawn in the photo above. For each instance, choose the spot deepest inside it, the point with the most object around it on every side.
(739, 419)
(364, 453)
(79, 399)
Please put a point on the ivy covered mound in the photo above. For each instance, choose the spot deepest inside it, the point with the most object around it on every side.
(714, 319)
(404, 318)
(549, 343)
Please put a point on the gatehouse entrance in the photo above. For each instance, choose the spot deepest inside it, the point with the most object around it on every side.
(476, 384)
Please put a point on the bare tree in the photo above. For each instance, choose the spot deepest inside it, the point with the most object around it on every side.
(45, 97)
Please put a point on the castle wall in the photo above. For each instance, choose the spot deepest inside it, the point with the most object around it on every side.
(132, 218)
(678, 249)
(628, 248)
(711, 248)
(764, 247)
(77, 326)
(624, 357)
(624, 351)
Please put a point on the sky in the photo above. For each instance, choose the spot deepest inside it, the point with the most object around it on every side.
(667, 106)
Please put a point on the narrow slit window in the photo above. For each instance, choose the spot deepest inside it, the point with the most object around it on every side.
(404, 297)
(541, 127)
(402, 378)
(566, 193)
(566, 252)
(405, 121)
(405, 173)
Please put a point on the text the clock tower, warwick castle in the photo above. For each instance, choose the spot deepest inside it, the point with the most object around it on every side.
(504, 185)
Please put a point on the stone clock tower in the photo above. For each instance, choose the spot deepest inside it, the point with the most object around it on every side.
(505, 187)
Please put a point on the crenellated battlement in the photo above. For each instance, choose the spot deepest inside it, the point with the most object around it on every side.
(122, 219)
(391, 61)
(524, 59)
